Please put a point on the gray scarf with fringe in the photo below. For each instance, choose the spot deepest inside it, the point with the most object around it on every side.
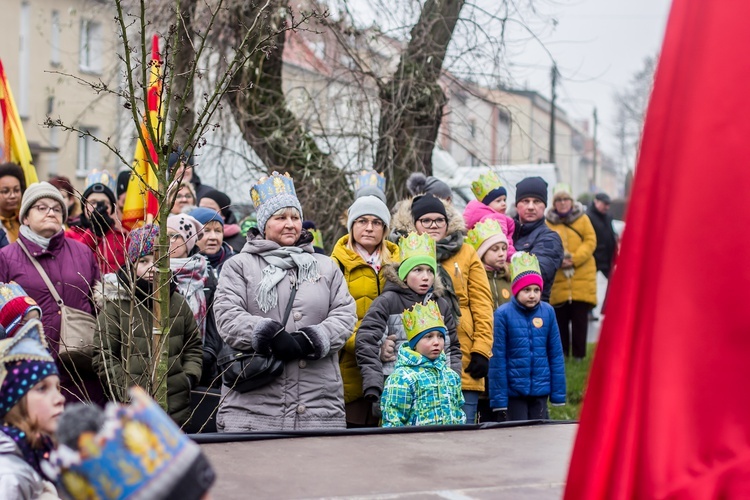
(280, 261)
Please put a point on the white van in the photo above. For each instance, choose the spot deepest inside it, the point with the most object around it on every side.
(510, 175)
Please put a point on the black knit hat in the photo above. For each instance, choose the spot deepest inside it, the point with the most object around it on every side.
(123, 179)
(427, 204)
(185, 156)
(221, 199)
(15, 171)
(534, 187)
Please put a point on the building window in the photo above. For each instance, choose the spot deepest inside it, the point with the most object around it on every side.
(472, 128)
(88, 153)
(54, 39)
(90, 50)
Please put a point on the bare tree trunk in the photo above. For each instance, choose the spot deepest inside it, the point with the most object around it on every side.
(273, 131)
(412, 102)
(184, 62)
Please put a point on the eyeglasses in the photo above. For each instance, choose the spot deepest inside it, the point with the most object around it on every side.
(376, 223)
(439, 222)
(187, 196)
(9, 192)
(45, 209)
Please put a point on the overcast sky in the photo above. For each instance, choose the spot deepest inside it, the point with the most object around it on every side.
(598, 46)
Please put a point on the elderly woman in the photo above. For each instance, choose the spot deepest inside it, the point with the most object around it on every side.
(464, 277)
(254, 291)
(574, 290)
(361, 255)
(70, 266)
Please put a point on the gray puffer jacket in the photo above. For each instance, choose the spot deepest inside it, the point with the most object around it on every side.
(383, 318)
(18, 480)
(309, 393)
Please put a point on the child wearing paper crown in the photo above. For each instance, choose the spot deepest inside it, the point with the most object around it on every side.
(122, 339)
(491, 244)
(527, 366)
(423, 390)
(382, 333)
(30, 405)
(490, 204)
(16, 308)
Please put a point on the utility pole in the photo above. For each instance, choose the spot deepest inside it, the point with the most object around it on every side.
(552, 115)
(596, 175)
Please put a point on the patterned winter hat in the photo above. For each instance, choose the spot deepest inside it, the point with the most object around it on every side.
(421, 320)
(525, 271)
(128, 452)
(247, 224)
(488, 187)
(14, 305)
(24, 361)
(187, 226)
(485, 234)
(415, 250)
(270, 195)
(141, 241)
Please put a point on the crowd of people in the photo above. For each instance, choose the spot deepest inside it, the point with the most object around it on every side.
(421, 315)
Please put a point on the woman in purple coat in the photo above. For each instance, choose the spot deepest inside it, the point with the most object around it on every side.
(71, 268)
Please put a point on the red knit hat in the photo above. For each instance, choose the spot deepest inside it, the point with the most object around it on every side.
(14, 305)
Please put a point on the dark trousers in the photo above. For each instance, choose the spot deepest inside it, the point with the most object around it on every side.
(573, 321)
(528, 408)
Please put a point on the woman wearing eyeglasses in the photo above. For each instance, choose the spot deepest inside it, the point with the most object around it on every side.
(12, 186)
(361, 255)
(464, 278)
(71, 267)
(185, 197)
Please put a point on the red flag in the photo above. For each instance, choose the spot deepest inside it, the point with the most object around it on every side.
(140, 201)
(667, 411)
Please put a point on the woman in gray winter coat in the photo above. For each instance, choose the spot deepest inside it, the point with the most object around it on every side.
(254, 290)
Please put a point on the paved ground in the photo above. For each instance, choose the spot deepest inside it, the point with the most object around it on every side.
(512, 462)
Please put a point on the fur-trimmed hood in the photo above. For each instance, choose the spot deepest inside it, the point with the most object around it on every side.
(574, 215)
(393, 282)
(403, 224)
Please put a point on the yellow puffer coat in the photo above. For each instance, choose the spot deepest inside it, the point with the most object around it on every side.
(579, 240)
(364, 285)
(470, 283)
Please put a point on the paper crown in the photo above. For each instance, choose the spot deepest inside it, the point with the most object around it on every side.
(138, 452)
(24, 361)
(317, 237)
(422, 319)
(487, 182)
(369, 178)
(102, 177)
(481, 231)
(416, 245)
(14, 304)
(524, 263)
(270, 187)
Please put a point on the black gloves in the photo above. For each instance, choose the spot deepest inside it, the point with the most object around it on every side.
(478, 367)
(290, 346)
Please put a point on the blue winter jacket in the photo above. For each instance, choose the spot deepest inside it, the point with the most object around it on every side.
(539, 239)
(527, 357)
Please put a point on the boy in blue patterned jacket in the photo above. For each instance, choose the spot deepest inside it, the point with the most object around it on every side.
(422, 390)
(527, 365)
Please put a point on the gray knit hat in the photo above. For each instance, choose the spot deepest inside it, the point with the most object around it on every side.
(36, 192)
(368, 205)
(370, 191)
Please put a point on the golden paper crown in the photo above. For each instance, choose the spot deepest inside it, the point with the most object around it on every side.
(486, 183)
(483, 230)
(422, 318)
(416, 245)
(270, 187)
(369, 178)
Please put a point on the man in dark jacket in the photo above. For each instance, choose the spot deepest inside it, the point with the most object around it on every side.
(532, 234)
(606, 238)
(185, 172)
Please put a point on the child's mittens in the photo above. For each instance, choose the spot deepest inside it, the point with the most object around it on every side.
(388, 349)
(479, 366)
(372, 395)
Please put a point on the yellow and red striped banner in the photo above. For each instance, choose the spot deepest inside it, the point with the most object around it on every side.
(140, 201)
(16, 148)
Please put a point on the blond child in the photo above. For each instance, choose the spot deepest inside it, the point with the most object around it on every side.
(490, 205)
(491, 244)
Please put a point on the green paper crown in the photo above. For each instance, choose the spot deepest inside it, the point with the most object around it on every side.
(416, 245)
(524, 263)
(483, 230)
(317, 238)
(486, 183)
(561, 187)
(422, 318)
